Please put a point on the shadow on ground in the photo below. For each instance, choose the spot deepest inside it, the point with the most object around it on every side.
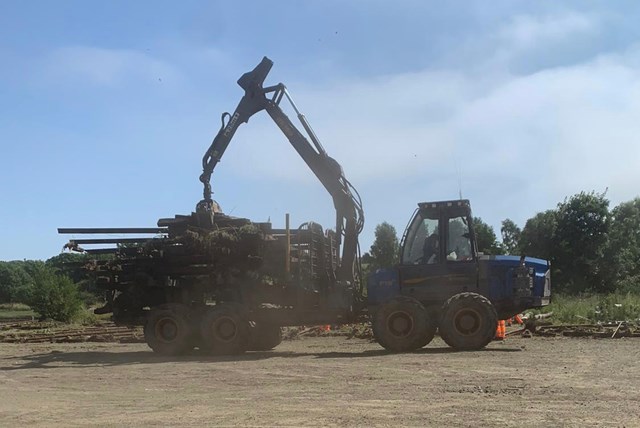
(57, 359)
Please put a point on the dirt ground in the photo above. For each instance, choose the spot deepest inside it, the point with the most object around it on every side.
(325, 381)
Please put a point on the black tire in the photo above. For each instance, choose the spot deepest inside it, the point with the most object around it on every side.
(168, 331)
(264, 337)
(432, 326)
(402, 325)
(469, 322)
(195, 319)
(224, 330)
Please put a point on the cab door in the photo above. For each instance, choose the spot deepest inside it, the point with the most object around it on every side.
(460, 255)
(422, 269)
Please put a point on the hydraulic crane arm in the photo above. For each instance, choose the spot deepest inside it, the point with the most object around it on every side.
(251, 103)
(349, 213)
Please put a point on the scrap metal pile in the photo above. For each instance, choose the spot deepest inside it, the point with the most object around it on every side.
(613, 330)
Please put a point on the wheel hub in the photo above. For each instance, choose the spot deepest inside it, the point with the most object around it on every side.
(225, 329)
(467, 321)
(400, 323)
(166, 330)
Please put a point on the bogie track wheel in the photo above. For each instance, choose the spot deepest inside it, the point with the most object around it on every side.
(402, 325)
(264, 337)
(168, 331)
(224, 330)
(468, 322)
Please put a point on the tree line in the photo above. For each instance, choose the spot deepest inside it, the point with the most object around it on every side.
(591, 247)
(48, 287)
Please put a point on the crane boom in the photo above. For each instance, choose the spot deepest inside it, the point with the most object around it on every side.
(347, 203)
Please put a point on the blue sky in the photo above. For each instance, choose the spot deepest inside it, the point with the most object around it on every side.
(106, 108)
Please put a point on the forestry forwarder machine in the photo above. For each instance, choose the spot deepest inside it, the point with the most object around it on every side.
(226, 285)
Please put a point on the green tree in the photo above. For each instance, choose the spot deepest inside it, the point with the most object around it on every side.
(15, 281)
(623, 252)
(486, 238)
(510, 236)
(72, 265)
(537, 236)
(68, 263)
(580, 242)
(54, 296)
(31, 266)
(384, 251)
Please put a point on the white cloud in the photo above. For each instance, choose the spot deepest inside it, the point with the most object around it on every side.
(577, 123)
(107, 66)
(520, 143)
(526, 31)
(525, 44)
(398, 117)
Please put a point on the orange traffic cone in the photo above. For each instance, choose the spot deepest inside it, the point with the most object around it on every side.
(501, 330)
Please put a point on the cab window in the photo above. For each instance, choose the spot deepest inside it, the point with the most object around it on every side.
(458, 240)
(423, 242)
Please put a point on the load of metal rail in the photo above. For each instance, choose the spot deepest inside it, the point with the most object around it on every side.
(187, 259)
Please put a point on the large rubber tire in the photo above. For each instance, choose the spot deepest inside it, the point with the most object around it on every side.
(224, 330)
(168, 331)
(264, 337)
(402, 325)
(195, 318)
(469, 322)
(432, 326)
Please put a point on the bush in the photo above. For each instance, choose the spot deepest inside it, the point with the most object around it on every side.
(618, 307)
(594, 308)
(87, 317)
(15, 281)
(54, 296)
(630, 284)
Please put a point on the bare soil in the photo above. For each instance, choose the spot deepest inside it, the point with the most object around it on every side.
(325, 381)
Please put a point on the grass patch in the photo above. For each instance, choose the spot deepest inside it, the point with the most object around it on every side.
(594, 308)
(16, 310)
(84, 317)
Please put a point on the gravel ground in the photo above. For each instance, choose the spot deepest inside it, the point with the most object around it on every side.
(325, 381)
